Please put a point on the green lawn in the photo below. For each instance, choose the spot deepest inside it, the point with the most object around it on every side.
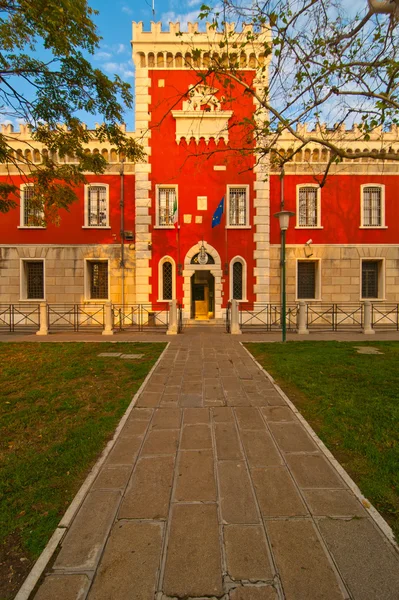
(59, 405)
(352, 401)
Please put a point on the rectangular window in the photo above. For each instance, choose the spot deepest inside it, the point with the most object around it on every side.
(306, 280)
(32, 211)
(98, 277)
(166, 203)
(97, 206)
(34, 280)
(237, 206)
(307, 207)
(372, 207)
(370, 276)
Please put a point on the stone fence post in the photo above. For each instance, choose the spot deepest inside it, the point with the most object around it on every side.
(235, 323)
(367, 327)
(108, 330)
(302, 328)
(172, 327)
(43, 319)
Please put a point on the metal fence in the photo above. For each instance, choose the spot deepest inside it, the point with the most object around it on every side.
(228, 318)
(385, 316)
(335, 317)
(180, 322)
(141, 317)
(19, 317)
(75, 317)
(266, 317)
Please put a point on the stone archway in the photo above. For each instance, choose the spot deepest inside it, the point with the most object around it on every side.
(214, 269)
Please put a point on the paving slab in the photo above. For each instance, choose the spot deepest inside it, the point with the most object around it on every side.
(291, 437)
(250, 592)
(333, 503)
(236, 496)
(276, 493)
(224, 414)
(227, 443)
(369, 567)
(278, 413)
(125, 450)
(111, 354)
(148, 493)
(313, 471)
(195, 437)
(131, 356)
(134, 427)
(195, 477)
(130, 563)
(196, 415)
(249, 418)
(113, 477)
(166, 418)
(161, 441)
(305, 571)
(85, 540)
(260, 449)
(67, 587)
(149, 399)
(246, 553)
(193, 562)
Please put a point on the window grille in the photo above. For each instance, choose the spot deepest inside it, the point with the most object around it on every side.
(306, 279)
(308, 207)
(33, 214)
(237, 281)
(237, 206)
(97, 209)
(370, 279)
(34, 280)
(372, 207)
(166, 201)
(167, 281)
(98, 280)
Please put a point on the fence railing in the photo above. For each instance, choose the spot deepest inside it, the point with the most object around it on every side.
(19, 317)
(141, 317)
(180, 321)
(228, 318)
(266, 317)
(385, 316)
(75, 317)
(335, 317)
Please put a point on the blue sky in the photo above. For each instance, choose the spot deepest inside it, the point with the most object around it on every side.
(114, 23)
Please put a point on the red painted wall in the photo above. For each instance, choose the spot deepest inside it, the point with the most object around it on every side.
(340, 210)
(70, 229)
(191, 167)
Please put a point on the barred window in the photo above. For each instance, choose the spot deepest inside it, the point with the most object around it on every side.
(166, 203)
(97, 209)
(98, 273)
(34, 277)
(370, 278)
(32, 211)
(237, 206)
(167, 281)
(306, 279)
(372, 206)
(237, 281)
(307, 207)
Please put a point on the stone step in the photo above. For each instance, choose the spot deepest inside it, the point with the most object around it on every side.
(204, 323)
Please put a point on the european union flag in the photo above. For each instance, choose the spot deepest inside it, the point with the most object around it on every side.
(217, 215)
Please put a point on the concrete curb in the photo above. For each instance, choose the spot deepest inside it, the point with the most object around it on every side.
(373, 512)
(41, 563)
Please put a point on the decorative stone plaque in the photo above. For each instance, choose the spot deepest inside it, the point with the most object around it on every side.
(202, 202)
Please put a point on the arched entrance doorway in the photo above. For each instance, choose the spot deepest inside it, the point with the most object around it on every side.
(202, 284)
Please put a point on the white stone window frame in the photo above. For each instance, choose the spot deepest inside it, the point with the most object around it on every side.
(318, 291)
(318, 207)
(244, 278)
(23, 284)
(381, 277)
(87, 281)
(227, 207)
(163, 260)
(382, 188)
(21, 225)
(159, 187)
(86, 205)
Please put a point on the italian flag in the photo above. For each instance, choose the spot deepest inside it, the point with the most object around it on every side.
(174, 216)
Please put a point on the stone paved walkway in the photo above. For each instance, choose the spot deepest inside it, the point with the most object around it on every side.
(214, 489)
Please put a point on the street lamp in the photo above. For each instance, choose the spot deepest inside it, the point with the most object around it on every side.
(284, 218)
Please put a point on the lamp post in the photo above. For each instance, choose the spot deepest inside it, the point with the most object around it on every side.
(284, 218)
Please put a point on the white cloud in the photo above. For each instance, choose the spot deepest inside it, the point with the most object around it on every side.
(124, 69)
(183, 19)
(101, 55)
(127, 10)
(120, 48)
